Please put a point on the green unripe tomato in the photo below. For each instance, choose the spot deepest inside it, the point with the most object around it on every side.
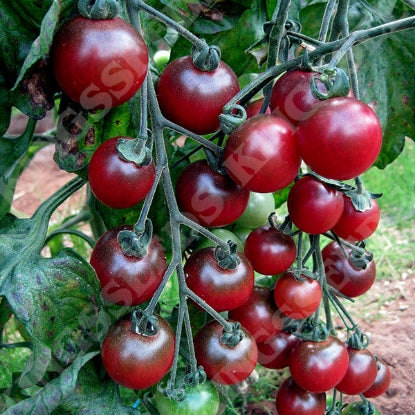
(201, 400)
(161, 58)
(223, 234)
(357, 408)
(256, 213)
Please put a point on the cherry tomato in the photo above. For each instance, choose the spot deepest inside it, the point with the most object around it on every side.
(341, 139)
(356, 408)
(382, 381)
(261, 154)
(257, 211)
(99, 63)
(292, 97)
(254, 108)
(223, 289)
(293, 400)
(193, 98)
(115, 182)
(209, 198)
(137, 361)
(361, 372)
(354, 225)
(269, 250)
(127, 280)
(319, 366)
(259, 314)
(224, 235)
(202, 399)
(343, 275)
(224, 364)
(275, 351)
(297, 299)
(313, 206)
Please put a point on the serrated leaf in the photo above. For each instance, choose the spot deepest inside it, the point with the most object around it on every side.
(95, 396)
(47, 399)
(57, 299)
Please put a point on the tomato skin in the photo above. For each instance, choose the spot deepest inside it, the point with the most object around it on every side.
(297, 299)
(343, 275)
(254, 108)
(293, 400)
(259, 314)
(222, 289)
(361, 372)
(211, 199)
(261, 154)
(354, 225)
(355, 409)
(127, 280)
(223, 364)
(292, 97)
(257, 211)
(269, 250)
(193, 98)
(341, 139)
(134, 360)
(313, 206)
(382, 381)
(99, 63)
(115, 182)
(201, 400)
(319, 366)
(274, 352)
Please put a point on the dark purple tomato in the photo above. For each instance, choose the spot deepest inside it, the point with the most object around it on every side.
(382, 381)
(99, 63)
(127, 280)
(209, 198)
(115, 182)
(193, 98)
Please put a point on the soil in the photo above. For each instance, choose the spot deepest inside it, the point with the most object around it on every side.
(386, 313)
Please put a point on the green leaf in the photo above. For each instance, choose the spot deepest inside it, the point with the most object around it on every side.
(54, 393)
(46, 293)
(94, 396)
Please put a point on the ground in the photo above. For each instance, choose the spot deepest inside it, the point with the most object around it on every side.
(386, 313)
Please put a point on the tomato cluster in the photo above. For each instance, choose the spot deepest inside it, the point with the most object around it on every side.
(333, 140)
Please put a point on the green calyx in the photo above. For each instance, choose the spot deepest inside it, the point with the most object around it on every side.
(135, 242)
(134, 151)
(356, 339)
(206, 58)
(99, 9)
(227, 256)
(231, 336)
(231, 118)
(144, 323)
(360, 258)
(335, 81)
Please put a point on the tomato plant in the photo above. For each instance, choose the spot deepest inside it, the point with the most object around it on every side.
(93, 67)
(210, 198)
(125, 354)
(261, 154)
(193, 98)
(173, 152)
(114, 180)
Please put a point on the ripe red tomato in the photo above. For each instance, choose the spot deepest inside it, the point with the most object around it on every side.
(99, 63)
(382, 381)
(297, 299)
(115, 182)
(209, 198)
(269, 250)
(341, 139)
(313, 206)
(254, 108)
(193, 98)
(319, 366)
(127, 280)
(259, 314)
(293, 400)
(354, 225)
(137, 361)
(223, 289)
(261, 154)
(222, 363)
(292, 97)
(361, 372)
(275, 351)
(343, 275)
